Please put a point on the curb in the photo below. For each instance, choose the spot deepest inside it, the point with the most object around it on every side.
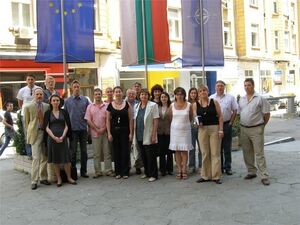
(279, 141)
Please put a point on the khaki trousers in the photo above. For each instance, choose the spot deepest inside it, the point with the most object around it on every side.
(210, 145)
(101, 153)
(252, 140)
(39, 160)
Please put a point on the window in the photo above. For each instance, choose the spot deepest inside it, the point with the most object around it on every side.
(294, 44)
(196, 78)
(286, 7)
(275, 6)
(174, 21)
(248, 73)
(287, 41)
(96, 16)
(21, 14)
(290, 79)
(254, 35)
(169, 85)
(293, 15)
(227, 34)
(266, 40)
(254, 3)
(276, 40)
(265, 81)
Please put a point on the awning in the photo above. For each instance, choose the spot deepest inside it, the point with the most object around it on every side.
(175, 65)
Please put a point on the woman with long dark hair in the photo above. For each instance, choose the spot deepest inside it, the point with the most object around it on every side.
(193, 98)
(156, 91)
(119, 125)
(163, 131)
(57, 127)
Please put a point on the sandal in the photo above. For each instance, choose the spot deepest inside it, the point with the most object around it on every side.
(178, 176)
(184, 176)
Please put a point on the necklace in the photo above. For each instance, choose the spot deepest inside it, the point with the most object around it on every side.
(119, 103)
(204, 109)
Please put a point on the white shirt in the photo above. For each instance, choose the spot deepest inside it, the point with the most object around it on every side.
(252, 111)
(25, 94)
(228, 105)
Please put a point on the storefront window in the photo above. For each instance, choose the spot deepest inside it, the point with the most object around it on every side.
(12, 82)
(88, 80)
(265, 81)
(196, 79)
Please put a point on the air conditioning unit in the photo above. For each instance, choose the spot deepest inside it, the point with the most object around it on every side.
(25, 33)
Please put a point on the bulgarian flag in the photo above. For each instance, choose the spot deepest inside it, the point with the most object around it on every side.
(156, 27)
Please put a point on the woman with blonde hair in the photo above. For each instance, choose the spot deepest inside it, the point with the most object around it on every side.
(210, 121)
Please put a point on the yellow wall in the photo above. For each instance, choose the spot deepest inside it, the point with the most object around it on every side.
(156, 77)
(240, 27)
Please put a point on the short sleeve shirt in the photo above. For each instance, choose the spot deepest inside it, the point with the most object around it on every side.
(96, 114)
(228, 105)
(252, 111)
(25, 94)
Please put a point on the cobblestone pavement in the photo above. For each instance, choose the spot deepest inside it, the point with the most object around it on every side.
(166, 201)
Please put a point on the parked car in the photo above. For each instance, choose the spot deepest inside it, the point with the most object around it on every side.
(275, 103)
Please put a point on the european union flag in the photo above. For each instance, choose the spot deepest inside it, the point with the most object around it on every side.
(78, 30)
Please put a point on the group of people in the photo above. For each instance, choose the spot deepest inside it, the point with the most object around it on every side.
(146, 124)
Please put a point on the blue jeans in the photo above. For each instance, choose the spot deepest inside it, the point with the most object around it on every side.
(3, 147)
(192, 153)
(226, 147)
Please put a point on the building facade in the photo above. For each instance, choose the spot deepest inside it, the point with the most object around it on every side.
(18, 44)
(261, 41)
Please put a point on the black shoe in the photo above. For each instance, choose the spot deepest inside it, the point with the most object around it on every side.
(138, 171)
(59, 184)
(170, 172)
(45, 182)
(33, 186)
(84, 175)
(250, 176)
(265, 181)
(218, 181)
(201, 180)
(163, 174)
(229, 172)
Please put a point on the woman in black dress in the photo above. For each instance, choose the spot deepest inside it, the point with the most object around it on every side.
(119, 130)
(57, 127)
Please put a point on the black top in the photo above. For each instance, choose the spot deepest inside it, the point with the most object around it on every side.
(119, 118)
(208, 114)
(7, 130)
(8, 118)
(47, 120)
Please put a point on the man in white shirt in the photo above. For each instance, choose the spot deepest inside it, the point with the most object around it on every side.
(229, 109)
(25, 96)
(255, 114)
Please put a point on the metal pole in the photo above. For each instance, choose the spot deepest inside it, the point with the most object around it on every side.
(145, 43)
(202, 40)
(63, 41)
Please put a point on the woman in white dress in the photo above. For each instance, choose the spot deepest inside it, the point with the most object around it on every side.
(180, 133)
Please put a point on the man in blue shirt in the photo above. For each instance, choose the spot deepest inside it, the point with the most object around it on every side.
(76, 106)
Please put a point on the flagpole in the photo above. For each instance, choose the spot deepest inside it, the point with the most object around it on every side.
(63, 40)
(202, 41)
(145, 42)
